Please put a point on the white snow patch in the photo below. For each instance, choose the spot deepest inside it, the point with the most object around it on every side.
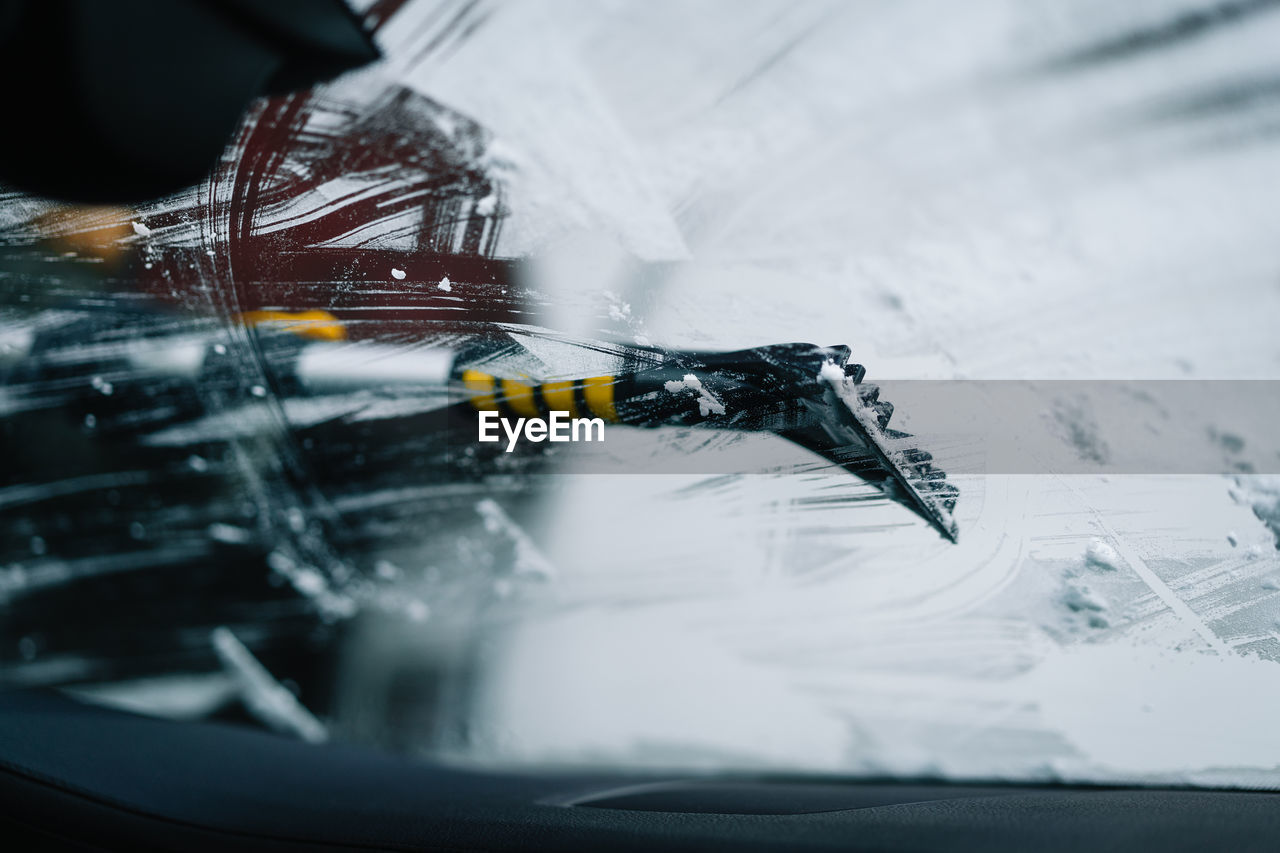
(444, 284)
(627, 695)
(1129, 707)
(398, 275)
(141, 230)
(707, 403)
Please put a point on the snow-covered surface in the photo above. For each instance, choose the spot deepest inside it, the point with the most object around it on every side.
(1000, 189)
(1013, 190)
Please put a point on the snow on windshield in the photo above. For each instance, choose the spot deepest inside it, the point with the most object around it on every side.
(236, 491)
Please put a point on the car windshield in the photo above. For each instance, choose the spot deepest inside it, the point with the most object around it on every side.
(279, 451)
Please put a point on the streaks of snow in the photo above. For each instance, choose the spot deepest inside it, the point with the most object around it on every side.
(618, 310)
(529, 559)
(581, 165)
(264, 696)
(229, 534)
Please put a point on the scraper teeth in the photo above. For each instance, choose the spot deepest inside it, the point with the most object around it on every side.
(944, 493)
(910, 470)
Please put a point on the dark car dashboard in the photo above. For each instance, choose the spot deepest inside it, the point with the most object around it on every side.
(79, 777)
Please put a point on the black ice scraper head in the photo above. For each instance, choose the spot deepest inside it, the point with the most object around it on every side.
(807, 394)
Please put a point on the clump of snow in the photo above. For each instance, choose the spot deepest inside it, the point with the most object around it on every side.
(141, 230)
(487, 206)
(1099, 555)
(707, 403)
(444, 284)
(1261, 494)
(398, 275)
(831, 373)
